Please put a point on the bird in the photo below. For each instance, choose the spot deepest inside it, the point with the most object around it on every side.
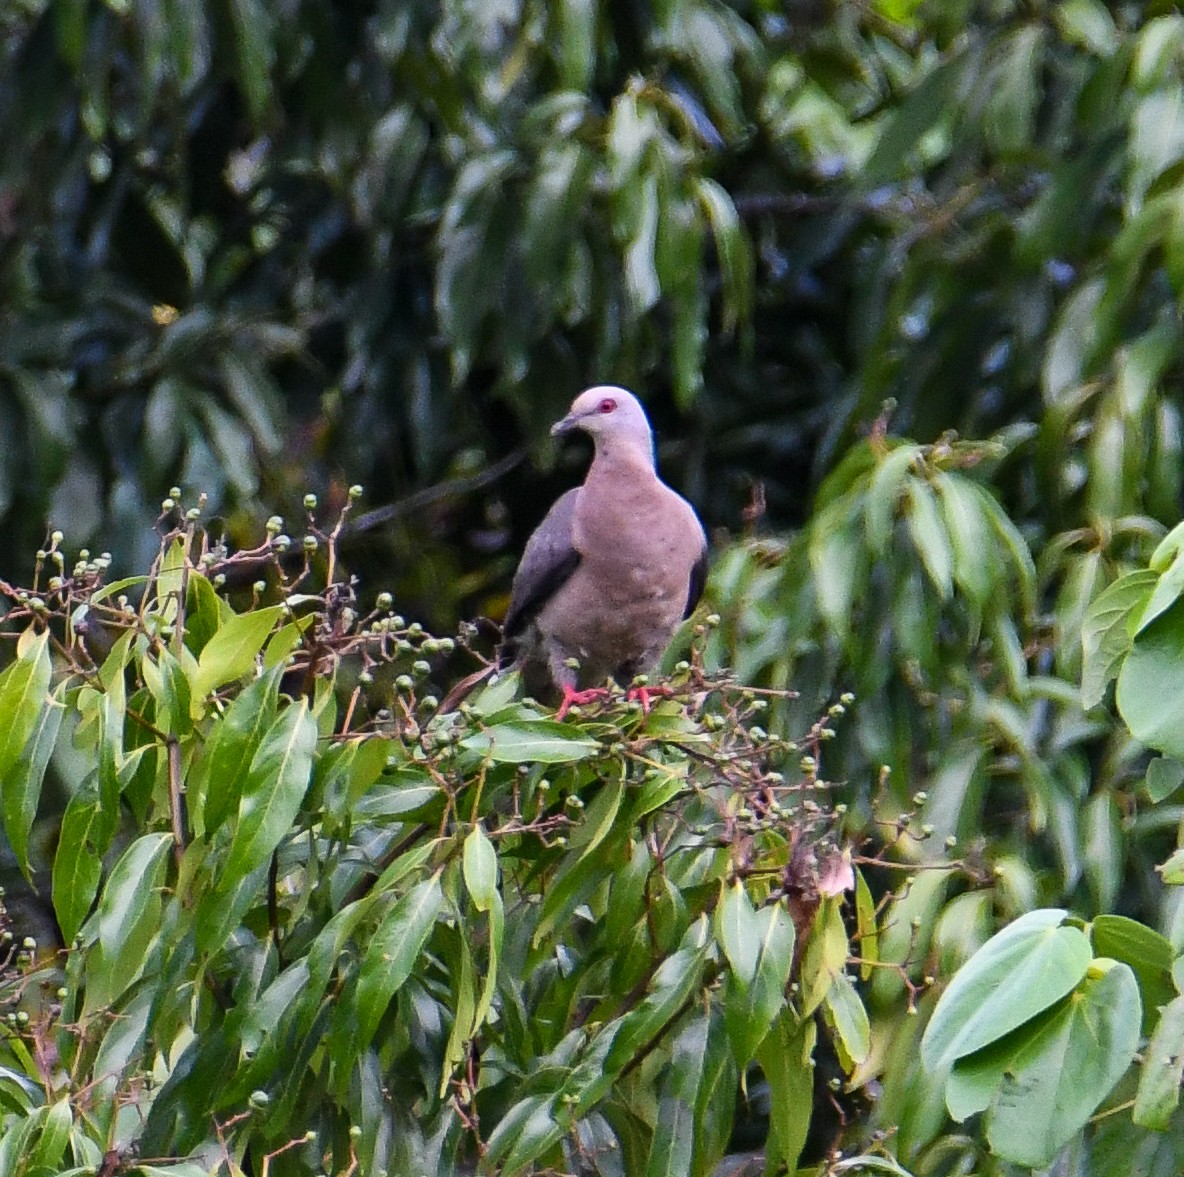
(613, 569)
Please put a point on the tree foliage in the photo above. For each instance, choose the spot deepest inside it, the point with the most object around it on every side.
(901, 276)
(314, 930)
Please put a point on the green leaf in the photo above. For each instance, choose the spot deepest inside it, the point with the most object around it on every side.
(825, 958)
(759, 949)
(696, 1105)
(838, 561)
(1017, 974)
(934, 98)
(847, 1018)
(275, 786)
(480, 869)
(254, 53)
(1102, 844)
(531, 742)
(1158, 1094)
(22, 789)
(1057, 1077)
(1147, 952)
(670, 989)
(205, 612)
(391, 955)
(787, 1058)
(1169, 587)
(23, 700)
(583, 870)
(231, 652)
(970, 537)
(1147, 696)
(219, 776)
(55, 1135)
(77, 865)
(131, 891)
(1106, 632)
(732, 249)
(884, 492)
(929, 535)
(575, 41)
(1164, 776)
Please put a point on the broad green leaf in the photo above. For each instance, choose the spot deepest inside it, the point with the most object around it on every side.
(23, 697)
(672, 985)
(1106, 632)
(205, 612)
(253, 42)
(1173, 869)
(131, 890)
(1017, 974)
(838, 560)
(524, 1133)
(1058, 1077)
(480, 868)
(847, 1018)
(584, 869)
(970, 537)
(272, 793)
(1167, 590)
(531, 742)
(575, 41)
(391, 955)
(1147, 697)
(930, 101)
(1167, 550)
(884, 493)
(77, 864)
(1087, 23)
(55, 1135)
(787, 1058)
(22, 789)
(264, 1014)
(867, 943)
(286, 639)
(1158, 1095)
(1164, 776)
(231, 652)
(697, 1101)
(732, 248)
(1103, 847)
(1147, 952)
(759, 948)
(219, 776)
(929, 535)
(825, 957)
(464, 1008)
(169, 688)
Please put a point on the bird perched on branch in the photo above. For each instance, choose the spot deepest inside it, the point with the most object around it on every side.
(612, 570)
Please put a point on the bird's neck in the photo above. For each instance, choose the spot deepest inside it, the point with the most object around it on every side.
(617, 456)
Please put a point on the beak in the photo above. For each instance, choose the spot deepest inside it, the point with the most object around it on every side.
(570, 422)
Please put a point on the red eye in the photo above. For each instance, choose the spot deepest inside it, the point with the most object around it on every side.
(608, 405)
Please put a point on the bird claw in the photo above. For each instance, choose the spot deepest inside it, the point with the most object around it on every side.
(573, 698)
(644, 695)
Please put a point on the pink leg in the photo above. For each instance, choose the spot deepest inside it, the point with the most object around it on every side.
(643, 695)
(574, 698)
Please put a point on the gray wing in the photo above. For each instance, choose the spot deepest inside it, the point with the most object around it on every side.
(547, 563)
(697, 584)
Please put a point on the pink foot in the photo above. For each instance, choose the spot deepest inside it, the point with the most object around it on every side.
(573, 698)
(643, 695)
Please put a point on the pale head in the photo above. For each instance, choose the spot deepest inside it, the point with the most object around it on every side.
(613, 418)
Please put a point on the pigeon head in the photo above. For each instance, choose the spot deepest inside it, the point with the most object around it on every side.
(613, 418)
